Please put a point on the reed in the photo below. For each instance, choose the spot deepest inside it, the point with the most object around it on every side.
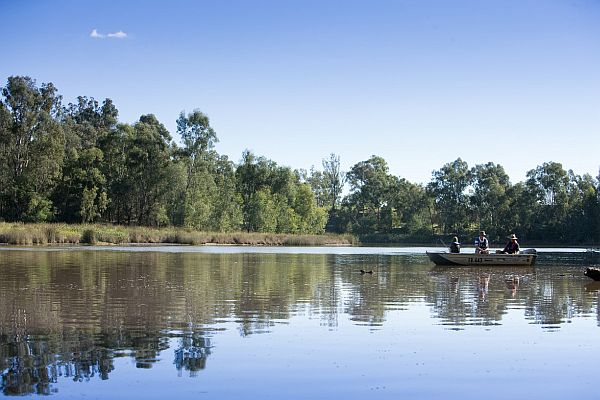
(49, 234)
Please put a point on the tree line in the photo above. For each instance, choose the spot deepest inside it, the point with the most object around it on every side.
(77, 163)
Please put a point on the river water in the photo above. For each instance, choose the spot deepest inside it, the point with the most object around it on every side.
(296, 323)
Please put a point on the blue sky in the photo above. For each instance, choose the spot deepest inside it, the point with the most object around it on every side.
(419, 82)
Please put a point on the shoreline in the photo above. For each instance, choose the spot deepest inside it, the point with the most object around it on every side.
(57, 234)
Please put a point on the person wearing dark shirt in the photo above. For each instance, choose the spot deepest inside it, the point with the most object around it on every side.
(455, 245)
(482, 245)
(512, 247)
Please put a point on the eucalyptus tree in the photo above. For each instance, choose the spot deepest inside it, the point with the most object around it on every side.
(199, 197)
(521, 215)
(548, 185)
(148, 158)
(5, 178)
(410, 203)
(82, 193)
(449, 190)
(227, 210)
(252, 175)
(490, 199)
(261, 212)
(115, 149)
(311, 218)
(198, 138)
(316, 179)
(274, 199)
(583, 223)
(369, 198)
(333, 180)
(87, 122)
(31, 148)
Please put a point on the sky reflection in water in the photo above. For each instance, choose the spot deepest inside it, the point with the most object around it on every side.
(231, 324)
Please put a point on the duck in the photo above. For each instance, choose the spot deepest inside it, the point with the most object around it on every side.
(362, 271)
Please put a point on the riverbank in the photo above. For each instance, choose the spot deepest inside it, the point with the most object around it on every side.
(48, 234)
(428, 239)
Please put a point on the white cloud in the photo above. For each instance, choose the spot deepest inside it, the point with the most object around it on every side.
(94, 33)
(115, 35)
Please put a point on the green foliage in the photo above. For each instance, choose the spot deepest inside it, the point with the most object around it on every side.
(196, 133)
(81, 194)
(89, 236)
(490, 199)
(92, 204)
(327, 185)
(274, 199)
(78, 164)
(39, 209)
(449, 191)
(31, 149)
(145, 182)
(368, 201)
(227, 210)
(262, 215)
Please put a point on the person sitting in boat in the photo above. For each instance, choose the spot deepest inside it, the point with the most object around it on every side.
(455, 245)
(512, 247)
(482, 245)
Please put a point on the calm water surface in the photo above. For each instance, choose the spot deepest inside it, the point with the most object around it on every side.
(241, 322)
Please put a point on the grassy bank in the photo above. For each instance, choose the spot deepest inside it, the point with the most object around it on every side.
(44, 234)
(399, 238)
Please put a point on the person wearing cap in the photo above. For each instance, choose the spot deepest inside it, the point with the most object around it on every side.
(455, 245)
(512, 247)
(482, 245)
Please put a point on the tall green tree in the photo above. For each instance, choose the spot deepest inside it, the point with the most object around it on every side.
(316, 179)
(274, 199)
(253, 174)
(81, 194)
(199, 196)
(115, 149)
(148, 161)
(311, 219)
(410, 203)
(548, 185)
(227, 211)
(87, 122)
(198, 138)
(333, 179)
(449, 190)
(490, 199)
(583, 221)
(370, 193)
(261, 211)
(31, 149)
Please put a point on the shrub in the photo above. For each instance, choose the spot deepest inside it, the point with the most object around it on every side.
(89, 236)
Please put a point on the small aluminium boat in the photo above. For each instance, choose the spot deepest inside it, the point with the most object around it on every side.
(524, 258)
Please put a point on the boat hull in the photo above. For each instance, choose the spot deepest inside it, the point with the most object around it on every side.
(525, 258)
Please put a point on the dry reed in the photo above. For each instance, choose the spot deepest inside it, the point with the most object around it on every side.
(48, 234)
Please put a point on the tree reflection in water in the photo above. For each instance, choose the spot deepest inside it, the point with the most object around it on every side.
(30, 365)
(192, 353)
(69, 315)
